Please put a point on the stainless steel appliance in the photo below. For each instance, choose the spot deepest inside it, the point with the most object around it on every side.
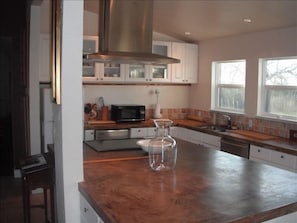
(127, 113)
(108, 140)
(235, 147)
(125, 32)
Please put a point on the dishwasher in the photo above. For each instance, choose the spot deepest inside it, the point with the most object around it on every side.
(235, 147)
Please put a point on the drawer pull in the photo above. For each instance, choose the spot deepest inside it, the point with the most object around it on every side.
(85, 210)
(282, 156)
(259, 150)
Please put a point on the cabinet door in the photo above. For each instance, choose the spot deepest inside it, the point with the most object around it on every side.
(187, 70)
(109, 72)
(161, 72)
(273, 158)
(283, 160)
(90, 45)
(87, 213)
(178, 68)
(138, 132)
(44, 58)
(210, 141)
(191, 63)
(258, 153)
(138, 73)
(151, 132)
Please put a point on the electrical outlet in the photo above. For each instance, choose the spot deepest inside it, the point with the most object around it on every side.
(250, 123)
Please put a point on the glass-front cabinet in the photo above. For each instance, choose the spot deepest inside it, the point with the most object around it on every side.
(161, 72)
(151, 73)
(137, 73)
(109, 72)
(90, 45)
(185, 72)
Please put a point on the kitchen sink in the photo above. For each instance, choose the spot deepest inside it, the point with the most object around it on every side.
(215, 128)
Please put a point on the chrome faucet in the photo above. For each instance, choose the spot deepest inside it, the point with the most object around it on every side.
(228, 121)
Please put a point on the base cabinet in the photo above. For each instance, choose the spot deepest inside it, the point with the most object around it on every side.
(87, 213)
(273, 158)
(149, 132)
(196, 137)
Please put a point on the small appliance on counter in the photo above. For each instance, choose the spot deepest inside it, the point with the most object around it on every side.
(127, 113)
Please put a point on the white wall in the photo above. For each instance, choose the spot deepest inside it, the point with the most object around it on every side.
(91, 25)
(67, 116)
(169, 97)
(273, 43)
(33, 81)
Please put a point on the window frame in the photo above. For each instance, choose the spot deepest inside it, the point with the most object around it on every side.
(264, 89)
(215, 86)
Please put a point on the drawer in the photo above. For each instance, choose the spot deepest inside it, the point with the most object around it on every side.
(89, 135)
(138, 133)
(151, 132)
(259, 152)
(283, 159)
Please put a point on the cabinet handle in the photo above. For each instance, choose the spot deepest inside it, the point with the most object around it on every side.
(282, 156)
(259, 150)
(85, 209)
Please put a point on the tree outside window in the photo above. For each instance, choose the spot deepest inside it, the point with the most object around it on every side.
(229, 86)
(278, 90)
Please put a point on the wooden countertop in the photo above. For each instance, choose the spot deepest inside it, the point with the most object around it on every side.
(206, 186)
(277, 143)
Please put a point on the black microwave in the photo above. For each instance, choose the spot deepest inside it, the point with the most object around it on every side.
(127, 113)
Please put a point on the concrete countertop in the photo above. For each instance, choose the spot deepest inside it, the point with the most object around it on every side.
(206, 186)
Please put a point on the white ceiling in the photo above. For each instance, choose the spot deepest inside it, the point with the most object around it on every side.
(207, 19)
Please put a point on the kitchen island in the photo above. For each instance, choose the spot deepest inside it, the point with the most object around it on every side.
(206, 186)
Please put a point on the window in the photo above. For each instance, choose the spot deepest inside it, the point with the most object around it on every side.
(228, 86)
(278, 88)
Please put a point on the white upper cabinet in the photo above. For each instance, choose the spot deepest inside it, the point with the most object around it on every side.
(109, 72)
(151, 73)
(138, 73)
(44, 58)
(99, 72)
(90, 45)
(161, 72)
(187, 70)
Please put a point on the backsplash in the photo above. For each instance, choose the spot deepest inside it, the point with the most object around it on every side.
(267, 126)
(171, 113)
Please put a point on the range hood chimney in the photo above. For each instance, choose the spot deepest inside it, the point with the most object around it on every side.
(125, 33)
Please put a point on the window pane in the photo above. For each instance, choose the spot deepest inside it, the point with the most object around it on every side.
(232, 73)
(231, 98)
(281, 72)
(282, 102)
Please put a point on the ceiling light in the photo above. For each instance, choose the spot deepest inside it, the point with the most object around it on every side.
(187, 33)
(247, 20)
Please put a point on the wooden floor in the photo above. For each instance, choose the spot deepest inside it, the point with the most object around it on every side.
(11, 206)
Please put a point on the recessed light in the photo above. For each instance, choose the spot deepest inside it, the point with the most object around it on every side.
(187, 33)
(247, 20)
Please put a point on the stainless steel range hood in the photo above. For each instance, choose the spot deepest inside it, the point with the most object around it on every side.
(125, 33)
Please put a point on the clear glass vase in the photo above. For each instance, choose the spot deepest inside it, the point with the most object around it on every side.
(162, 149)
